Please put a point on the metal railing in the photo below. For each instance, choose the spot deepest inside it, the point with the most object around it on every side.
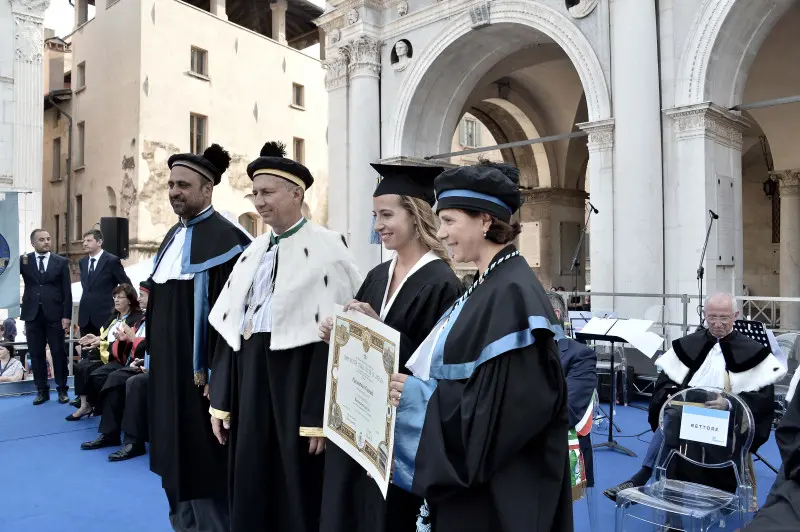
(757, 308)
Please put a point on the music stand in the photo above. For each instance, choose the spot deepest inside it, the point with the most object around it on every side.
(611, 443)
(755, 330)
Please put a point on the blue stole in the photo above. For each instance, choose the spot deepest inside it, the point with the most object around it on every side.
(202, 373)
(411, 412)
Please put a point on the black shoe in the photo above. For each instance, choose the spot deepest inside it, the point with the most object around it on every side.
(611, 493)
(72, 417)
(76, 402)
(104, 440)
(128, 451)
(41, 397)
(63, 398)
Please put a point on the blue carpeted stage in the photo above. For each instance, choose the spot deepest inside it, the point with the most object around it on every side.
(48, 483)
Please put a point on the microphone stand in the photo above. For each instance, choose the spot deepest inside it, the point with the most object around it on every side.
(701, 269)
(575, 261)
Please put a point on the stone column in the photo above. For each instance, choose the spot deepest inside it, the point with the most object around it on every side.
(704, 173)
(364, 145)
(28, 118)
(638, 235)
(551, 207)
(601, 185)
(218, 9)
(336, 83)
(278, 20)
(789, 183)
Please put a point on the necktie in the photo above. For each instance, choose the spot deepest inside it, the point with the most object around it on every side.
(41, 264)
(91, 267)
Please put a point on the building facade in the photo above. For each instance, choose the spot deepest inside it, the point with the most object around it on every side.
(645, 98)
(144, 80)
(21, 37)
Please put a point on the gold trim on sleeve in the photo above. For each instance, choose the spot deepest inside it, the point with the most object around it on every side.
(311, 432)
(220, 414)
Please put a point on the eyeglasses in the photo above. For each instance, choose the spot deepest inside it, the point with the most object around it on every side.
(719, 319)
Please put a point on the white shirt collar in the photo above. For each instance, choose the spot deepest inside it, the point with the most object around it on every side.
(45, 255)
(96, 257)
(428, 257)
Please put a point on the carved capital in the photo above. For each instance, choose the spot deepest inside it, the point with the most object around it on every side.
(28, 38)
(363, 54)
(31, 8)
(335, 71)
(708, 120)
(601, 134)
(788, 181)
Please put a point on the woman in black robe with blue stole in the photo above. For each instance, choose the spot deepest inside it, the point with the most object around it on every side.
(408, 293)
(482, 424)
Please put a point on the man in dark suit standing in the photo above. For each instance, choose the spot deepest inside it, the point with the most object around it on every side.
(46, 311)
(101, 272)
(579, 363)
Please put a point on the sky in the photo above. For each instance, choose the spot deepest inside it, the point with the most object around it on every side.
(60, 16)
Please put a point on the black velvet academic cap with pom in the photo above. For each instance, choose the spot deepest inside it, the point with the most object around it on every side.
(273, 161)
(407, 180)
(211, 165)
(487, 187)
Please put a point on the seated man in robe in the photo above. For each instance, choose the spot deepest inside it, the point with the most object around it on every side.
(782, 509)
(717, 357)
(580, 370)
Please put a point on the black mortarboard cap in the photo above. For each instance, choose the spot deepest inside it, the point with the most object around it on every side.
(487, 187)
(211, 165)
(273, 161)
(405, 180)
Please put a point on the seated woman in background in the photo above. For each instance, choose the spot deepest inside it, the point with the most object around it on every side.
(91, 372)
(129, 346)
(10, 368)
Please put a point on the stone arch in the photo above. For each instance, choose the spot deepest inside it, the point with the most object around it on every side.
(524, 108)
(415, 131)
(112, 200)
(521, 128)
(723, 42)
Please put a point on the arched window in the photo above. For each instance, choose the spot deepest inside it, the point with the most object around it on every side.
(112, 201)
(249, 221)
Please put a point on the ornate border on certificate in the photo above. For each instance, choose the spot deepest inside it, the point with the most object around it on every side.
(346, 330)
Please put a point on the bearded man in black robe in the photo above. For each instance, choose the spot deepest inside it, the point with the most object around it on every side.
(190, 269)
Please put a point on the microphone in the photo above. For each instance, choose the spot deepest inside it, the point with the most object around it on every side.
(713, 215)
(593, 208)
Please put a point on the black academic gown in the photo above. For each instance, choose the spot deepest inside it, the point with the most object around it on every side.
(741, 354)
(184, 451)
(782, 509)
(351, 501)
(485, 439)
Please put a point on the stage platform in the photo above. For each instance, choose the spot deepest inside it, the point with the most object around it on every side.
(49, 483)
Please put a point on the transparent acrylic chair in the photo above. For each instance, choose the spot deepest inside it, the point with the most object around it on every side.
(671, 501)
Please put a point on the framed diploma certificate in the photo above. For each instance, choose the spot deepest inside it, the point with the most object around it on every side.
(359, 415)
